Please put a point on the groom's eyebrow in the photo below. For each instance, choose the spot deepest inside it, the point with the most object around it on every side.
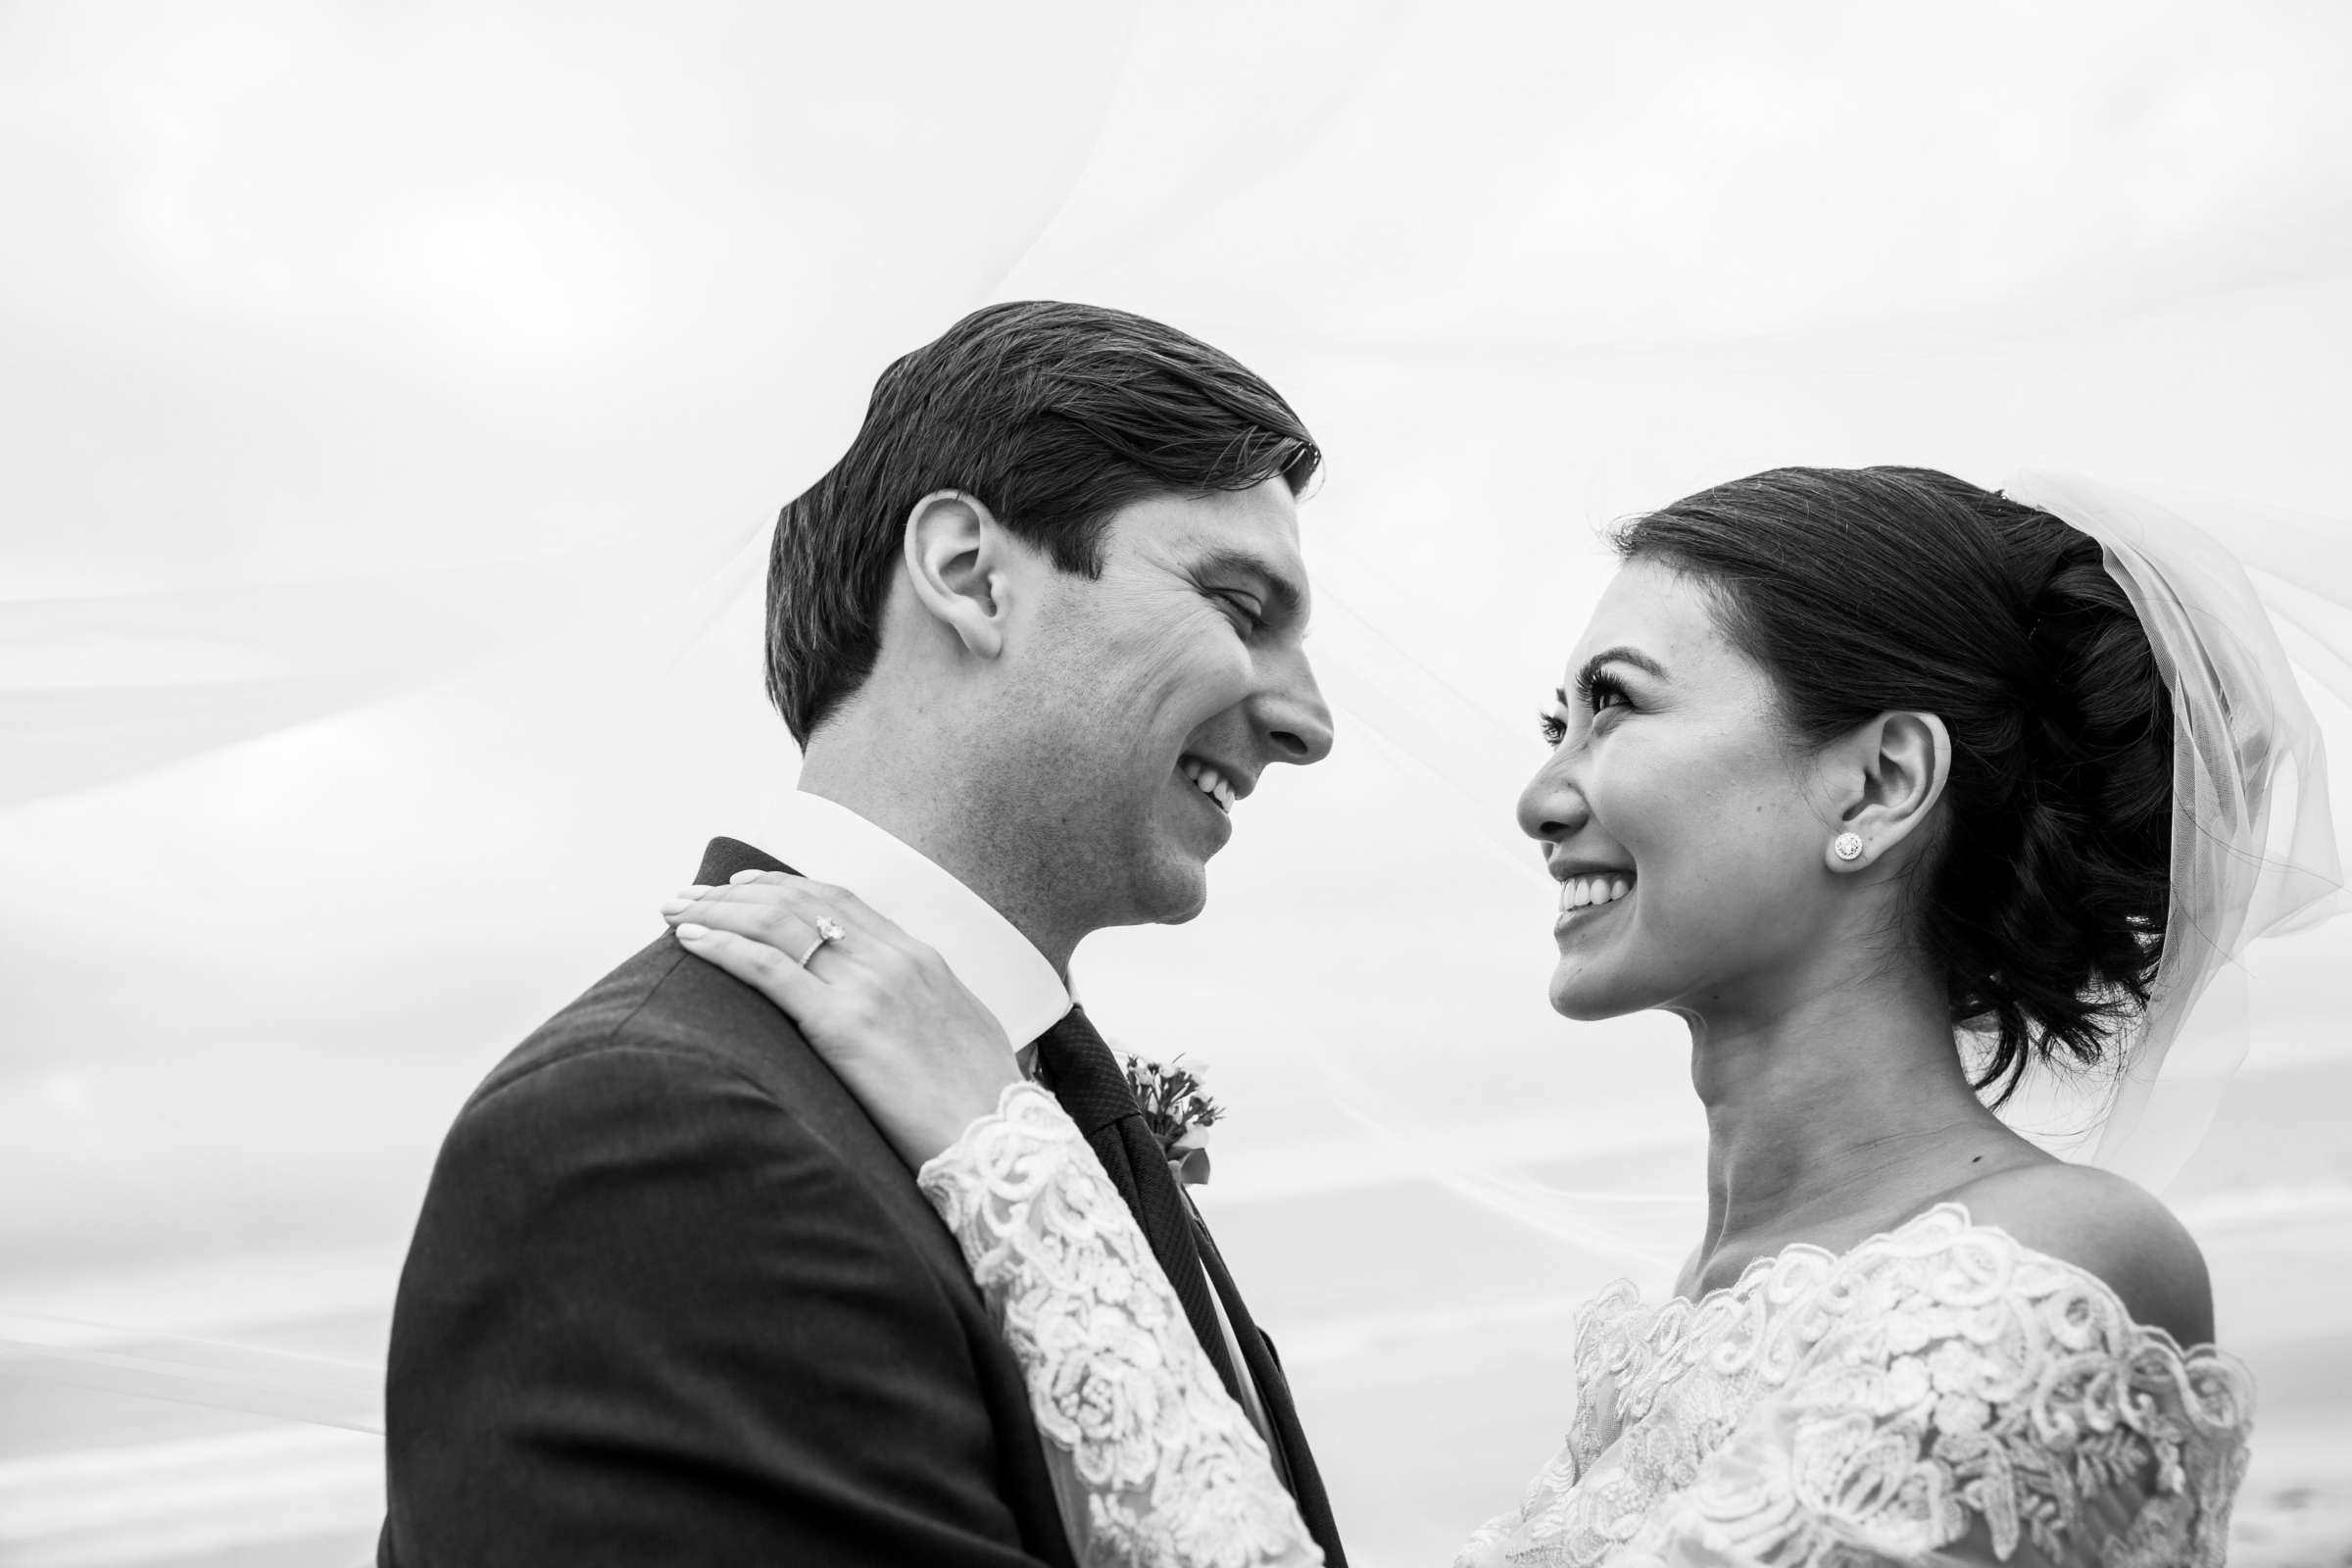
(1287, 597)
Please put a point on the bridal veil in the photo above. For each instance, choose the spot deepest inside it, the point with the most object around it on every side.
(396, 398)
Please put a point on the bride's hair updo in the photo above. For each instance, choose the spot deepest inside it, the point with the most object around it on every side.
(1863, 591)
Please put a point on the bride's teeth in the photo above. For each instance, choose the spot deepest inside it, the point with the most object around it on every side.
(1583, 892)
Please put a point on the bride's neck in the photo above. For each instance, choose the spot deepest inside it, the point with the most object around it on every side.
(1830, 1111)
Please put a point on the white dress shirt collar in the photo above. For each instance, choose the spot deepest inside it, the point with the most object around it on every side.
(826, 840)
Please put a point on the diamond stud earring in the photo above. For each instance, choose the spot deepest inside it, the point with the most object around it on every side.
(1846, 846)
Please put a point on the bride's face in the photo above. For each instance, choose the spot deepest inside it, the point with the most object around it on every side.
(1675, 814)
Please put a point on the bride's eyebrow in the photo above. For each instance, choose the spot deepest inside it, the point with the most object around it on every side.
(1620, 654)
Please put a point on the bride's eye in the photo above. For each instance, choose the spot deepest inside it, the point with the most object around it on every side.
(1552, 727)
(1597, 688)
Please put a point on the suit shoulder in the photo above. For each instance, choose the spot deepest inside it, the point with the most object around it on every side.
(624, 1152)
(672, 1074)
(689, 1016)
(634, 1112)
(671, 1071)
(648, 1065)
(2109, 1227)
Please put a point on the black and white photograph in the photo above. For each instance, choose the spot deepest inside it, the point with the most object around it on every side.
(1257, 784)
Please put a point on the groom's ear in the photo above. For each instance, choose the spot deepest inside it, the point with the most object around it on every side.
(958, 559)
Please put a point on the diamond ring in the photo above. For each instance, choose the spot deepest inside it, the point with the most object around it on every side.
(827, 930)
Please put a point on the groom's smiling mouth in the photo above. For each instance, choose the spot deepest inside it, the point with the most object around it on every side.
(1214, 782)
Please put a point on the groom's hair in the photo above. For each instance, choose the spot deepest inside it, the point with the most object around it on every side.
(1054, 416)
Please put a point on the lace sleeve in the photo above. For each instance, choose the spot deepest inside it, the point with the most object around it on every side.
(1168, 1469)
(1951, 1396)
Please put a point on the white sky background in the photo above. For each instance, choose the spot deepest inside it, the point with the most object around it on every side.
(402, 396)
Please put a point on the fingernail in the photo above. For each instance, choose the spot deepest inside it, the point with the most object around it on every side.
(693, 933)
(678, 904)
(746, 876)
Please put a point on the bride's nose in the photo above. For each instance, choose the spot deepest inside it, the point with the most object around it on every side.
(1551, 807)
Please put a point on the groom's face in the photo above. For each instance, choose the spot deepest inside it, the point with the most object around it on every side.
(1154, 696)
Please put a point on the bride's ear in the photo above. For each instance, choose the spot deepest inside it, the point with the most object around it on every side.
(957, 560)
(1897, 766)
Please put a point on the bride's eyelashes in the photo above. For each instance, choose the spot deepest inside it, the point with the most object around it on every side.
(1595, 690)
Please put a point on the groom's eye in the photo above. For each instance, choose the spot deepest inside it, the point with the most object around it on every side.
(1248, 612)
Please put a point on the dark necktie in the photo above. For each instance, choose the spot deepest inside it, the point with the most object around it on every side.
(1086, 1078)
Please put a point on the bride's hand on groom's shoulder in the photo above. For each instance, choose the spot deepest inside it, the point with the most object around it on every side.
(886, 1014)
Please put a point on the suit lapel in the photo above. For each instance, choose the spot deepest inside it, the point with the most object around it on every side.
(1305, 1481)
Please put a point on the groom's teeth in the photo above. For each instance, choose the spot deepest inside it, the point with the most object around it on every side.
(1209, 782)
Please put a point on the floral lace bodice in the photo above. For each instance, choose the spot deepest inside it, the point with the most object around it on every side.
(1938, 1395)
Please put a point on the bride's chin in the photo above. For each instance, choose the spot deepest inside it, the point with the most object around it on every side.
(1579, 994)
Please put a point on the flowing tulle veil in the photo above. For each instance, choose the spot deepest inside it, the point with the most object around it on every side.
(395, 400)
(2254, 855)
(2254, 849)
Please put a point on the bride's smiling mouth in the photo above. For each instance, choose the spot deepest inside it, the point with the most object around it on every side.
(1590, 894)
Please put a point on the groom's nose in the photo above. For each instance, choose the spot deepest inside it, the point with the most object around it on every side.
(1292, 714)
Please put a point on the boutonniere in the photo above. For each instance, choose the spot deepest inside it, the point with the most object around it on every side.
(1178, 1114)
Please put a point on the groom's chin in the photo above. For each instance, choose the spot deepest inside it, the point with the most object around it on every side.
(1185, 905)
(1178, 893)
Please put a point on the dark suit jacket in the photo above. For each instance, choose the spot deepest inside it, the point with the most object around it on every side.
(673, 1300)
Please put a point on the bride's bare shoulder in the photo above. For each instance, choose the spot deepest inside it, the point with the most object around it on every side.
(2106, 1226)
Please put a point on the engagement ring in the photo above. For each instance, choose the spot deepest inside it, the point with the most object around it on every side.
(826, 931)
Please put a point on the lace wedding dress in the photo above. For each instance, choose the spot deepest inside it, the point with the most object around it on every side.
(1939, 1395)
